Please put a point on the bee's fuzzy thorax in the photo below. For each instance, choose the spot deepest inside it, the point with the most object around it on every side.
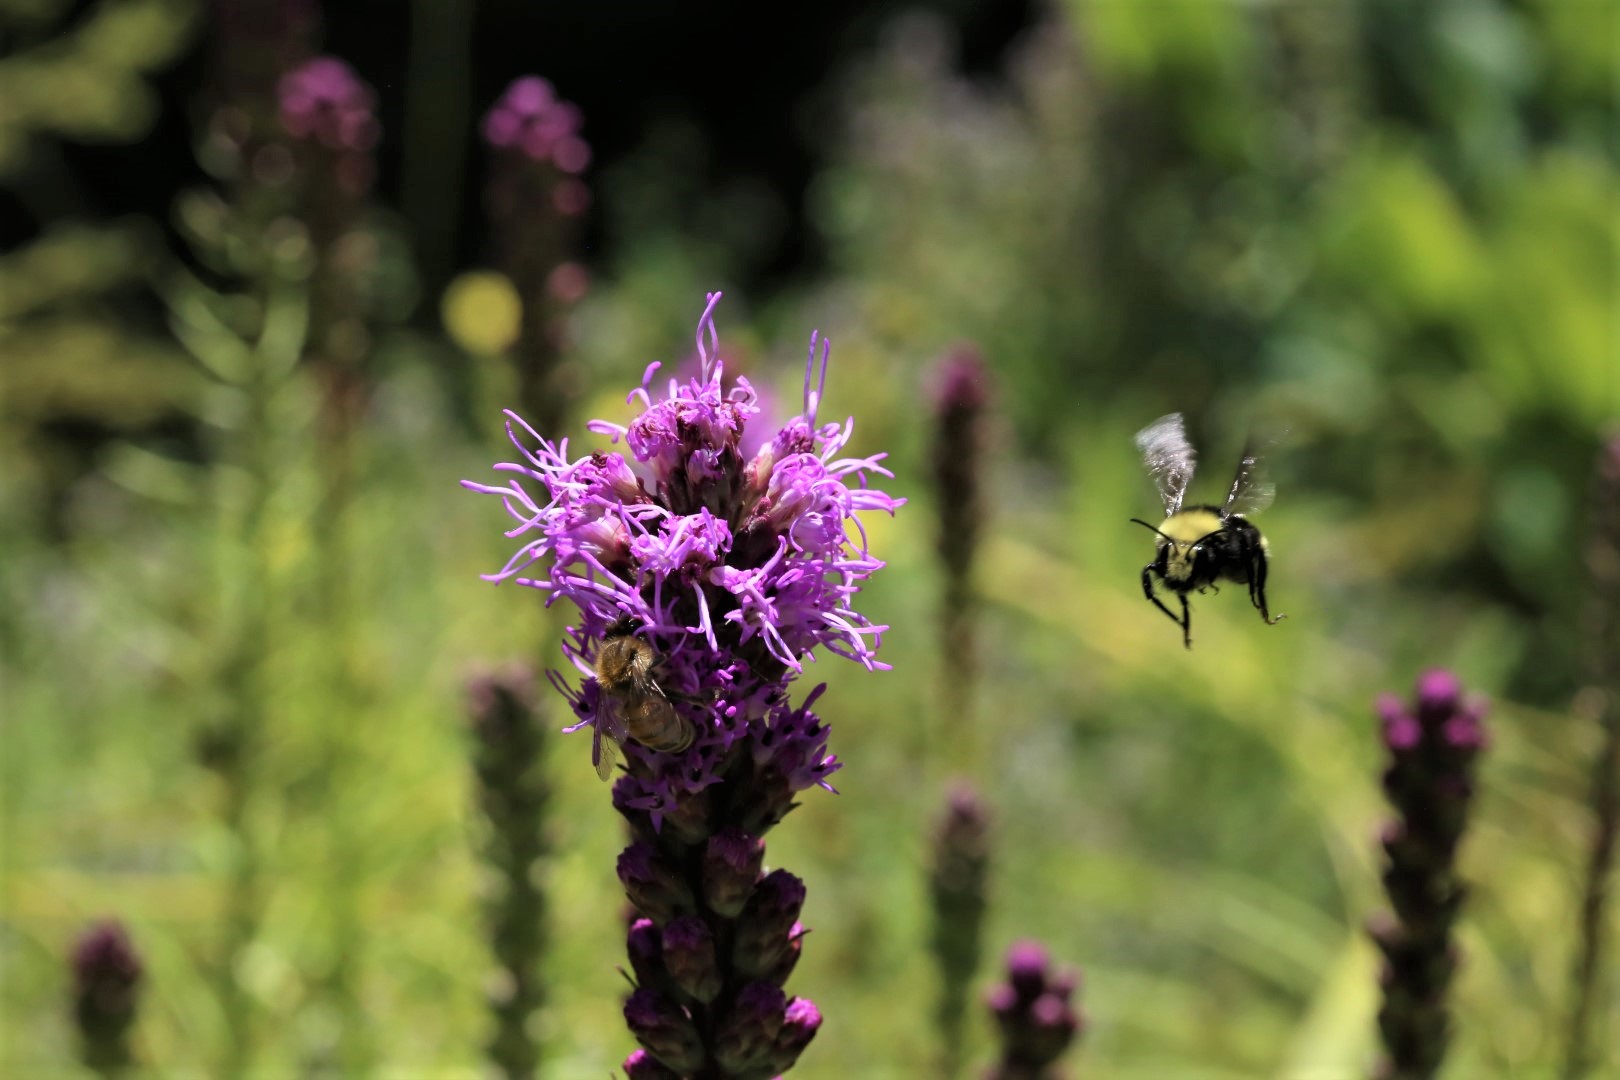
(1191, 525)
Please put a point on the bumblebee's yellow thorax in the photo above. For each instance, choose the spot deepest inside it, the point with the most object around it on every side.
(1184, 529)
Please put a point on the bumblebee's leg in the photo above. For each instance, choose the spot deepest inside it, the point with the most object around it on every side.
(1186, 622)
(1147, 590)
(1257, 587)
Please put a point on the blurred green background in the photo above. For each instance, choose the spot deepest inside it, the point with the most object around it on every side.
(1390, 230)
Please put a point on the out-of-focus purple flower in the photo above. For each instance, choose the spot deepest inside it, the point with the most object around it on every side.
(536, 200)
(961, 394)
(330, 114)
(106, 979)
(1035, 1015)
(508, 739)
(1432, 748)
(735, 568)
(532, 120)
(957, 886)
(325, 101)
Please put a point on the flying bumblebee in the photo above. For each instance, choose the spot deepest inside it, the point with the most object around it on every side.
(632, 705)
(1201, 545)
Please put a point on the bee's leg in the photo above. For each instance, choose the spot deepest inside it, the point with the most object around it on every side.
(1186, 622)
(1257, 587)
(1147, 590)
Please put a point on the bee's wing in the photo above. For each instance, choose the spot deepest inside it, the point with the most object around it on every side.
(605, 752)
(1251, 492)
(1169, 457)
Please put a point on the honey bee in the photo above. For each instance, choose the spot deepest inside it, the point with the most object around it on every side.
(632, 704)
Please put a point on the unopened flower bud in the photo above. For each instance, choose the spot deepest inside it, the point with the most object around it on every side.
(652, 886)
(641, 1065)
(645, 945)
(689, 819)
(689, 957)
(748, 1033)
(789, 960)
(799, 1025)
(764, 929)
(665, 1030)
(731, 865)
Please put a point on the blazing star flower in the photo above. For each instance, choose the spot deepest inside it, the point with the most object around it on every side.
(536, 199)
(736, 569)
(106, 982)
(325, 101)
(1035, 1015)
(1433, 751)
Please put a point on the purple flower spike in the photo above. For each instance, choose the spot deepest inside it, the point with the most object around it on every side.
(1429, 781)
(106, 977)
(734, 566)
(508, 740)
(536, 201)
(1034, 1014)
(959, 446)
(957, 885)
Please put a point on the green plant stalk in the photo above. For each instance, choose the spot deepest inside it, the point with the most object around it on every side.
(244, 684)
(348, 708)
(1594, 899)
(1603, 636)
(508, 743)
(346, 701)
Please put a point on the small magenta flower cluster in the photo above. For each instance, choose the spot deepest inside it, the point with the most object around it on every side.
(1430, 782)
(536, 200)
(106, 982)
(326, 106)
(1035, 1015)
(324, 100)
(735, 570)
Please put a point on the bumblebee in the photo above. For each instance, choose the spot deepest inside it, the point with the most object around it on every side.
(632, 705)
(1201, 545)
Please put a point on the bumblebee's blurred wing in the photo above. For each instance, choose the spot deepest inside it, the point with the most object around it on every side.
(605, 752)
(1169, 457)
(1251, 492)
